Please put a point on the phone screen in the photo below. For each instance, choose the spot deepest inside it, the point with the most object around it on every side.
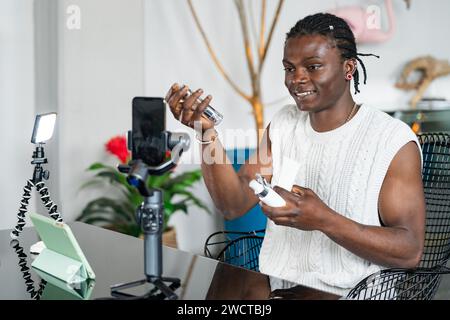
(148, 124)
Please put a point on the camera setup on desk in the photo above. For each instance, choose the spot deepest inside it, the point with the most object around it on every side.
(149, 142)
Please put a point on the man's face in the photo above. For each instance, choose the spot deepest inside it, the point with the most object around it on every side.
(314, 72)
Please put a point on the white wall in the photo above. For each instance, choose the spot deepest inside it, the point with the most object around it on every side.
(100, 70)
(16, 105)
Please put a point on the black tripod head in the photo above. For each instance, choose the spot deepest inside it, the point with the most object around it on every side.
(137, 175)
(138, 171)
(38, 160)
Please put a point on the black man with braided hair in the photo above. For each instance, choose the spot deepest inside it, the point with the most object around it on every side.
(350, 174)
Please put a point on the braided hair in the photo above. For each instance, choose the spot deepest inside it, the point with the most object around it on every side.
(336, 29)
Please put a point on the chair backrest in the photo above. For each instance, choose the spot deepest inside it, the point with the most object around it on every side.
(436, 181)
(236, 248)
(397, 284)
(421, 283)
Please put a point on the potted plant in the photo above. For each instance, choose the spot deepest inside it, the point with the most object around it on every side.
(118, 212)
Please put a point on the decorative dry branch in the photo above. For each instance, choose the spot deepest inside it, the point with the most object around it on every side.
(272, 28)
(262, 31)
(254, 67)
(253, 25)
(247, 45)
(213, 55)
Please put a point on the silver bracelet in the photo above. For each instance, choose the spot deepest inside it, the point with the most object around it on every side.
(213, 138)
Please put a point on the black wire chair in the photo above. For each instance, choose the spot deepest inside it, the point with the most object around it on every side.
(235, 247)
(422, 282)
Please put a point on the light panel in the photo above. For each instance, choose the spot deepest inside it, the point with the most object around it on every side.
(43, 127)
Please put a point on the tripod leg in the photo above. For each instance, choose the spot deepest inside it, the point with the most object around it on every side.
(29, 282)
(168, 292)
(123, 286)
(159, 285)
(52, 208)
(116, 289)
(22, 210)
(169, 279)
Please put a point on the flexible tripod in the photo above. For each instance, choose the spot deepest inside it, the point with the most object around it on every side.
(29, 283)
(39, 175)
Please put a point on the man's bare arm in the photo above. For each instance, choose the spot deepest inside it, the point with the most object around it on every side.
(228, 189)
(399, 243)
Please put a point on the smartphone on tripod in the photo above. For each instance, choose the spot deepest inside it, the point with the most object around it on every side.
(148, 142)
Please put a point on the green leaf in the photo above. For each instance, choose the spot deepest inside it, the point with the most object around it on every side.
(167, 196)
(98, 165)
(115, 178)
(132, 230)
(103, 216)
(111, 176)
(135, 199)
(168, 208)
(90, 183)
(112, 206)
(99, 220)
(185, 179)
(158, 181)
(195, 200)
(180, 206)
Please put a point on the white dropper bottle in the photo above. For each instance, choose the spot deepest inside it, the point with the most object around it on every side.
(267, 194)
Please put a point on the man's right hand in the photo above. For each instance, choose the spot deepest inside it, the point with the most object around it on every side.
(188, 110)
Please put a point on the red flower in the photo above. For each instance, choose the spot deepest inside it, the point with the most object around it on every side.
(118, 147)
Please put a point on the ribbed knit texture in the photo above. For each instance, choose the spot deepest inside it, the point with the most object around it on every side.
(345, 167)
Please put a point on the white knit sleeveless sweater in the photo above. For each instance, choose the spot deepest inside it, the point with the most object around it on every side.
(345, 167)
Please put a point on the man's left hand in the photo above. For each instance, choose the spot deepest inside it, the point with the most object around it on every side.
(303, 210)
